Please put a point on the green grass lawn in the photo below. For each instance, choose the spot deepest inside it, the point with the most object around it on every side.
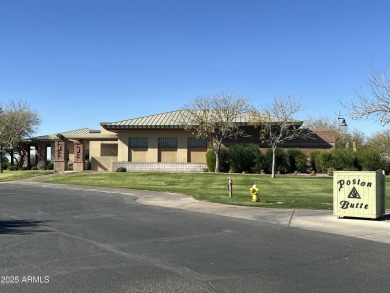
(285, 191)
(17, 175)
(302, 192)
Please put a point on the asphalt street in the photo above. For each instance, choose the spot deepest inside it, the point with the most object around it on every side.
(73, 239)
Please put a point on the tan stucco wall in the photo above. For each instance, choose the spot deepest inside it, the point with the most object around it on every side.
(197, 155)
(105, 131)
(99, 162)
(167, 155)
(153, 154)
(95, 147)
(138, 155)
(103, 163)
(102, 153)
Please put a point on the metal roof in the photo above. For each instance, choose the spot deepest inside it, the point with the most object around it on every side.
(167, 120)
(173, 120)
(164, 120)
(82, 131)
(78, 132)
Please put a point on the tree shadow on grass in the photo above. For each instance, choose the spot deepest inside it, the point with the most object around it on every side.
(22, 227)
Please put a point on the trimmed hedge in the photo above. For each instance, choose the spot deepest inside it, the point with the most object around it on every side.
(296, 161)
(365, 159)
(248, 158)
(245, 158)
(223, 160)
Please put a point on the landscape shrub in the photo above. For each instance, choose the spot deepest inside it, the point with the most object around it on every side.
(344, 160)
(49, 166)
(121, 169)
(369, 159)
(330, 171)
(259, 163)
(296, 161)
(280, 161)
(223, 160)
(6, 164)
(12, 168)
(248, 158)
(243, 157)
(347, 160)
(321, 161)
(386, 166)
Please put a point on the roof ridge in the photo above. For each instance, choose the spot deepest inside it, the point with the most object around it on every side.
(83, 128)
(141, 117)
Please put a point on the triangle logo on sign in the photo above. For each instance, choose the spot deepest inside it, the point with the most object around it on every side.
(354, 193)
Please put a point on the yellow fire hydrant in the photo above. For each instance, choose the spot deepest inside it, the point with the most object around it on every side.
(254, 190)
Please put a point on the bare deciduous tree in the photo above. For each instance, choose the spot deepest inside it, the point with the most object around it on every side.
(381, 142)
(345, 137)
(377, 104)
(215, 118)
(318, 123)
(277, 125)
(17, 122)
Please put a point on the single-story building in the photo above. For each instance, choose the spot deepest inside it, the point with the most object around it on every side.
(153, 143)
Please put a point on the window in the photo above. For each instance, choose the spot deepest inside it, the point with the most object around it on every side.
(194, 142)
(167, 142)
(109, 150)
(138, 142)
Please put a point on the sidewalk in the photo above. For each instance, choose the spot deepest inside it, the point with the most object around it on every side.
(316, 220)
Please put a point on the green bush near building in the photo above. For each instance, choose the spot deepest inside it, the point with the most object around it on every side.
(297, 161)
(245, 158)
(248, 158)
(223, 160)
(369, 159)
(365, 159)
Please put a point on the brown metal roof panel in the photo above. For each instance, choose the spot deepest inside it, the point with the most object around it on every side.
(82, 131)
(171, 120)
(44, 137)
(164, 119)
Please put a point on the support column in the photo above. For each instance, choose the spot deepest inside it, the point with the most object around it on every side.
(60, 156)
(78, 160)
(153, 151)
(42, 154)
(52, 151)
(11, 154)
(25, 156)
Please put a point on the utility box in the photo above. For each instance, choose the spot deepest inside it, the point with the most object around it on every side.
(359, 194)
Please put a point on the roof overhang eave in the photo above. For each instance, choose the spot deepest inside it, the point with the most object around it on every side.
(133, 127)
(92, 137)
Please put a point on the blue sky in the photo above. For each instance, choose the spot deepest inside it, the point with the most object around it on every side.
(82, 62)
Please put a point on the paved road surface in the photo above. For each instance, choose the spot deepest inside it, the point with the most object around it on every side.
(64, 240)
